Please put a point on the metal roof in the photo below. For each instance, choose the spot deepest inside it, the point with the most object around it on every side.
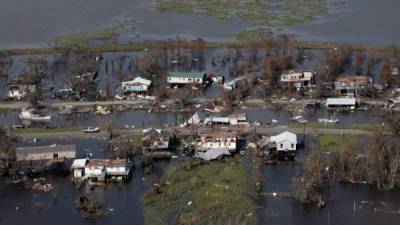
(45, 149)
(341, 101)
(187, 74)
(283, 137)
(79, 163)
(212, 153)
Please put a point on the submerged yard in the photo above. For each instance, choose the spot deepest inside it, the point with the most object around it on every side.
(211, 193)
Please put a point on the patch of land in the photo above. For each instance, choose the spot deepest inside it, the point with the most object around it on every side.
(333, 143)
(265, 13)
(104, 34)
(210, 193)
(366, 127)
(268, 12)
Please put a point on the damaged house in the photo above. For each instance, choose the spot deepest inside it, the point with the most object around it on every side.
(299, 79)
(155, 139)
(43, 156)
(100, 170)
(353, 86)
(20, 90)
(214, 145)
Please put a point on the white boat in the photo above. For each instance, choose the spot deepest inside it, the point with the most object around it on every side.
(297, 117)
(29, 114)
(326, 120)
(91, 130)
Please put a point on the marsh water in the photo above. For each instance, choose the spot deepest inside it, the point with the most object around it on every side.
(123, 201)
(27, 23)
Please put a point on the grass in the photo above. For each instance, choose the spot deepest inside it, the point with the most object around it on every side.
(269, 13)
(333, 143)
(107, 33)
(212, 193)
(250, 35)
(119, 47)
(366, 127)
(136, 139)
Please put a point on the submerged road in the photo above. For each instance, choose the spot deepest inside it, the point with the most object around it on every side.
(261, 130)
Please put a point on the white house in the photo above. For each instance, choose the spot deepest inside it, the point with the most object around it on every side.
(78, 167)
(176, 78)
(95, 170)
(285, 141)
(298, 77)
(216, 140)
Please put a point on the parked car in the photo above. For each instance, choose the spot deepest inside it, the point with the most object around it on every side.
(91, 130)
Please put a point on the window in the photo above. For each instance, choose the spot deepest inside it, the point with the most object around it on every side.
(292, 145)
(55, 156)
(281, 145)
(190, 79)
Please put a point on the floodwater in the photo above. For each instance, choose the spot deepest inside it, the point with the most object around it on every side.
(25, 23)
(123, 201)
(142, 119)
(339, 209)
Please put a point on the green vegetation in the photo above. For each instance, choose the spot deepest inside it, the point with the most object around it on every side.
(250, 35)
(333, 143)
(119, 47)
(107, 33)
(268, 13)
(195, 193)
(366, 127)
(136, 139)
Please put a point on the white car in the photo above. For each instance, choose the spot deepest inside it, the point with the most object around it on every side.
(91, 130)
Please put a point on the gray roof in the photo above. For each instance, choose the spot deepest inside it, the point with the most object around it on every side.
(46, 149)
(213, 153)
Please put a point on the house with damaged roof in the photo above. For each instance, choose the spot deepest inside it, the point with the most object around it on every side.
(155, 140)
(100, 170)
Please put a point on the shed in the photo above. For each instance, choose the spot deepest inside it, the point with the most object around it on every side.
(51, 152)
(341, 102)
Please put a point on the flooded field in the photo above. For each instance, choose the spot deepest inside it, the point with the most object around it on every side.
(347, 21)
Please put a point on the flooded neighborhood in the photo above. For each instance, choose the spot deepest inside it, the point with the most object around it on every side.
(199, 112)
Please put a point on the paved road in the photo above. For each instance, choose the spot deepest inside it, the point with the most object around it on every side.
(21, 105)
(186, 131)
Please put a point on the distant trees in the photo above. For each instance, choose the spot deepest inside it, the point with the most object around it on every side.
(336, 61)
(386, 75)
(272, 66)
